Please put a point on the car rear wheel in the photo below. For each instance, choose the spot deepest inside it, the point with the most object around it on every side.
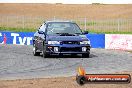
(35, 53)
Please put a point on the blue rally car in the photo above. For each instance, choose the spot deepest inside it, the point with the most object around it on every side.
(60, 37)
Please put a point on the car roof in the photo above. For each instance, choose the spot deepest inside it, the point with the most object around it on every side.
(48, 21)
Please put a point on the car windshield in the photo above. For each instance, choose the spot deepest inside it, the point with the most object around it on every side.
(63, 28)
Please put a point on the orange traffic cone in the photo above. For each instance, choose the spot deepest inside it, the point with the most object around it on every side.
(81, 71)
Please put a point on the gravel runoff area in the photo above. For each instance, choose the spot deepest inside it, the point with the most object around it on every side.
(20, 69)
(18, 62)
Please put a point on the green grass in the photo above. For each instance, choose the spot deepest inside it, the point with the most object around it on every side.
(34, 30)
(17, 29)
(109, 32)
(109, 23)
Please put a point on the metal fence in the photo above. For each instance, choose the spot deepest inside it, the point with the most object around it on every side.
(104, 25)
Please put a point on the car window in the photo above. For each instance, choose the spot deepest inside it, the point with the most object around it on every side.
(62, 27)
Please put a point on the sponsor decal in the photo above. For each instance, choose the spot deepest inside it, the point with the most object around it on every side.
(118, 41)
(83, 78)
(20, 38)
(4, 39)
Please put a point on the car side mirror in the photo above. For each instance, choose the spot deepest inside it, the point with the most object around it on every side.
(41, 32)
(85, 32)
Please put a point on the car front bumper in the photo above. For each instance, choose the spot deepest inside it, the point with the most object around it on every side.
(67, 49)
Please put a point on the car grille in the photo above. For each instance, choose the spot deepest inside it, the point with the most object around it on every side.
(67, 49)
(70, 42)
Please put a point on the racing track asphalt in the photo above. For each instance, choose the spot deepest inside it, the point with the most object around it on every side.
(18, 62)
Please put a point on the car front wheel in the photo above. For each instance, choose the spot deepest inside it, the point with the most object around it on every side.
(85, 55)
(35, 53)
(44, 52)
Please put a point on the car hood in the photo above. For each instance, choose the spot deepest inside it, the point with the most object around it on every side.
(67, 38)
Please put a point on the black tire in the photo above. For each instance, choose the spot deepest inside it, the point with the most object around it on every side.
(81, 80)
(61, 55)
(85, 55)
(35, 53)
(73, 55)
(45, 55)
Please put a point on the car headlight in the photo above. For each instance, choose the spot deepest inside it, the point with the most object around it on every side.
(53, 42)
(85, 42)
